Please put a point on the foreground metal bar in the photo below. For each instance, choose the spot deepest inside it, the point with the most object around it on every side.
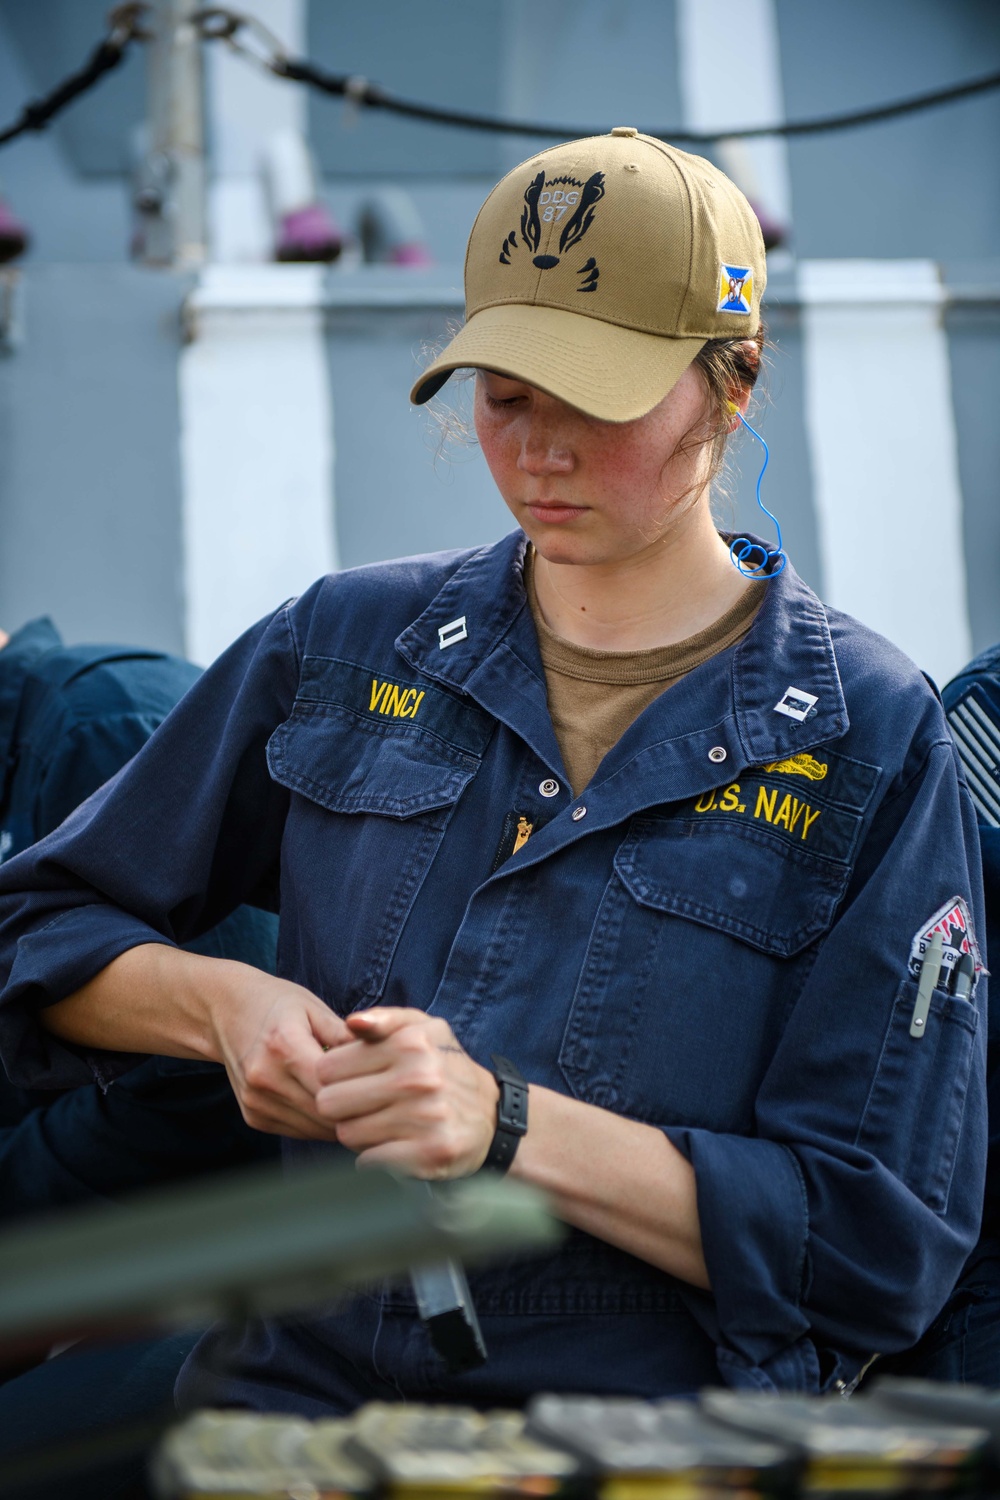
(261, 1242)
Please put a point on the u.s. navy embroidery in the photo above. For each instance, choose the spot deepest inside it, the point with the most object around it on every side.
(819, 811)
(568, 202)
(390, 699)
(795, 815)
(735, 289)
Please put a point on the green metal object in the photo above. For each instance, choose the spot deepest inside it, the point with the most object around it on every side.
(260, 1242)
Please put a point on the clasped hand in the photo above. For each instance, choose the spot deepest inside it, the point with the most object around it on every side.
(393, 1085)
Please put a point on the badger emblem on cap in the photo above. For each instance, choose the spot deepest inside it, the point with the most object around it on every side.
(565, 201)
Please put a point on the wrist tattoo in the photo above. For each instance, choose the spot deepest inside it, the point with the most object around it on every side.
(451, 1047)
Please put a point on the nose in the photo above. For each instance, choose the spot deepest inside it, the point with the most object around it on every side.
(544, 445)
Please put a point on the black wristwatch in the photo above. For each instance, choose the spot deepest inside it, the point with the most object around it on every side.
(512, 1115)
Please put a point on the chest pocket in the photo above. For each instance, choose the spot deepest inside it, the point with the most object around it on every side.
(376, 793)
(701, 943)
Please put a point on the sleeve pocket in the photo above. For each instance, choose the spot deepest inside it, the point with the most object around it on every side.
(913, 1115)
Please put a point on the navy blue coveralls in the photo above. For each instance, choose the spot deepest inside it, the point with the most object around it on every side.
(70, 718)
(721, 942)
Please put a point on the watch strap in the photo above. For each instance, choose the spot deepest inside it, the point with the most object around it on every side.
(512, 1114)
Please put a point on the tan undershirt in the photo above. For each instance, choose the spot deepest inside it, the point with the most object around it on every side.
(595, 695)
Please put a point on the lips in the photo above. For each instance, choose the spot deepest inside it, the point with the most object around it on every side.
(553, 512)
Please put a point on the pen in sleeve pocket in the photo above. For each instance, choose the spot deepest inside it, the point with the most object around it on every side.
(930, 969)
(965, 971)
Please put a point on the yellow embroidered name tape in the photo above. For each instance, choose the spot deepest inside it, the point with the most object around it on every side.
(394, 702)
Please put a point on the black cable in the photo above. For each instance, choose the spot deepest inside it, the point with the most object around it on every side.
(38, 112)
(109, 53)
(879, 112)
(361, 91)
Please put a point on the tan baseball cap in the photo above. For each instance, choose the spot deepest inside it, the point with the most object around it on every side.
(597, 270)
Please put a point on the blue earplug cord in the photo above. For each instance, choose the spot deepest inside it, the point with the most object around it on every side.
(752, 559)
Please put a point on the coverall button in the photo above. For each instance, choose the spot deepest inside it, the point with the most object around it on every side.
(717, 754)
(548, 787)
(578, 813)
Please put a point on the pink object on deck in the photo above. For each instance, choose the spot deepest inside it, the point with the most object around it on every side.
(14, 237)
(413, 254)
(309, 234)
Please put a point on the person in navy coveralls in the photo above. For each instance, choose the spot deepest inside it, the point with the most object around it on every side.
(664, 837)
(70, 718)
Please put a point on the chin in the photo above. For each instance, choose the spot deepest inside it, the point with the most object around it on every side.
(568, 551)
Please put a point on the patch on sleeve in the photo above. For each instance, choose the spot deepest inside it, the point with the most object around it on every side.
(954, 922)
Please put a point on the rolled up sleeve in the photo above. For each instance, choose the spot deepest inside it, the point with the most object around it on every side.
(843, 1223)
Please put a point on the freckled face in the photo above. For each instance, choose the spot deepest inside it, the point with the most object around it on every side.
(587, 491)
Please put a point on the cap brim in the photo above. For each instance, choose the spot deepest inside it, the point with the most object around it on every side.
(615, 374)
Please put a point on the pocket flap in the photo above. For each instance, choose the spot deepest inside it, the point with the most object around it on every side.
(352, 765)
(734, 878)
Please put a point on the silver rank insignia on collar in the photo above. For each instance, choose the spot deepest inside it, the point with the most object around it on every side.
(452, 633)
(796, 704)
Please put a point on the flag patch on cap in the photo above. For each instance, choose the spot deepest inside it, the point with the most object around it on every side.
(735, 289)
(953, 921)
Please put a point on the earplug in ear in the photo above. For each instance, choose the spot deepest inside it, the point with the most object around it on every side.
(752, 559)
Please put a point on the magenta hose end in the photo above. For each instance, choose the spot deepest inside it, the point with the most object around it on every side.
(309, 234)
(14, 236)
